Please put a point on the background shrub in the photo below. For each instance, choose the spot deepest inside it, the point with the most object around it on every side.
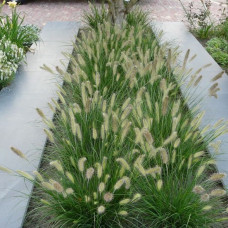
(10, 57)
(15, 40)
(218, 48)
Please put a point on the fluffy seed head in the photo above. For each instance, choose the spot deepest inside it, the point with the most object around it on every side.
(106, 121)
(124, 180)
(102, 131)
(58, 187)
(182, 163)
(200, 170)
(104, 162)
(163, 85)
(73, 162)
(189, 161)
(104, 105)
(57, 165)
(159, 184)
(138, 136)
(127, 182)
(217, 176)
(175, 108)
(73, 127)
(100, 209)
(25, 175)
(136, 197)
(94, 133)
(177, 143)
(198, 80)
(95, 195)
(148, 101)
(138, 164)
(76, 108)
(70, 176)
(6, 170)
(125, 130)
(18, 152)
(113, 99)
(164, 155)
(97, 79)
(118, 184)
(154, 171)
(87, 199)
(216, 77)
(99, 170)
(107, 176)
(69, 191)
(114, 122)
(198, 189)
(123, 163)
(63, 116)
(148, 136)
(108, 197)
(126, 103)
(123, 213)
(89, 173)
(79, 133)
(174, 156)
(38, 175)
(165, 104)
(47, 185)
(81, 164)
(207, 208)
(49, 123)
(124, 201)
(49, 135)
(198, 154)
(61, 98)
(218, 192)
(170, 139)
(56, 104)
(45, 202)
(204, 197)
(101, 187)
(40, 112)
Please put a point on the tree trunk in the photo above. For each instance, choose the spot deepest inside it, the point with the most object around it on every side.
(118, 9)
(120, 12)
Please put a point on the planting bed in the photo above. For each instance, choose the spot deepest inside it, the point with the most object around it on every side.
(125, 151)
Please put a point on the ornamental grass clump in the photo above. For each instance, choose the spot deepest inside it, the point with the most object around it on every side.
(125, 150)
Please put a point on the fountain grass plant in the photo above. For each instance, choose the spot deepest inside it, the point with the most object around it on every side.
(125, 151)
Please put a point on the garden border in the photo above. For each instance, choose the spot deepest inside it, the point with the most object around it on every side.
(20, 124)
(177, 34)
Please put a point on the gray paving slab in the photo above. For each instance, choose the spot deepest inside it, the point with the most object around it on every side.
(177, 34)
(67, 30)
(20, 125)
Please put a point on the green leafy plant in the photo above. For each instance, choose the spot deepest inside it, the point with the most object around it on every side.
(12, 28)
(125, 151)
(10, 57)
(199, 19)
(218, 48)
(15, 40)
(221, 30)
(31, 35)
